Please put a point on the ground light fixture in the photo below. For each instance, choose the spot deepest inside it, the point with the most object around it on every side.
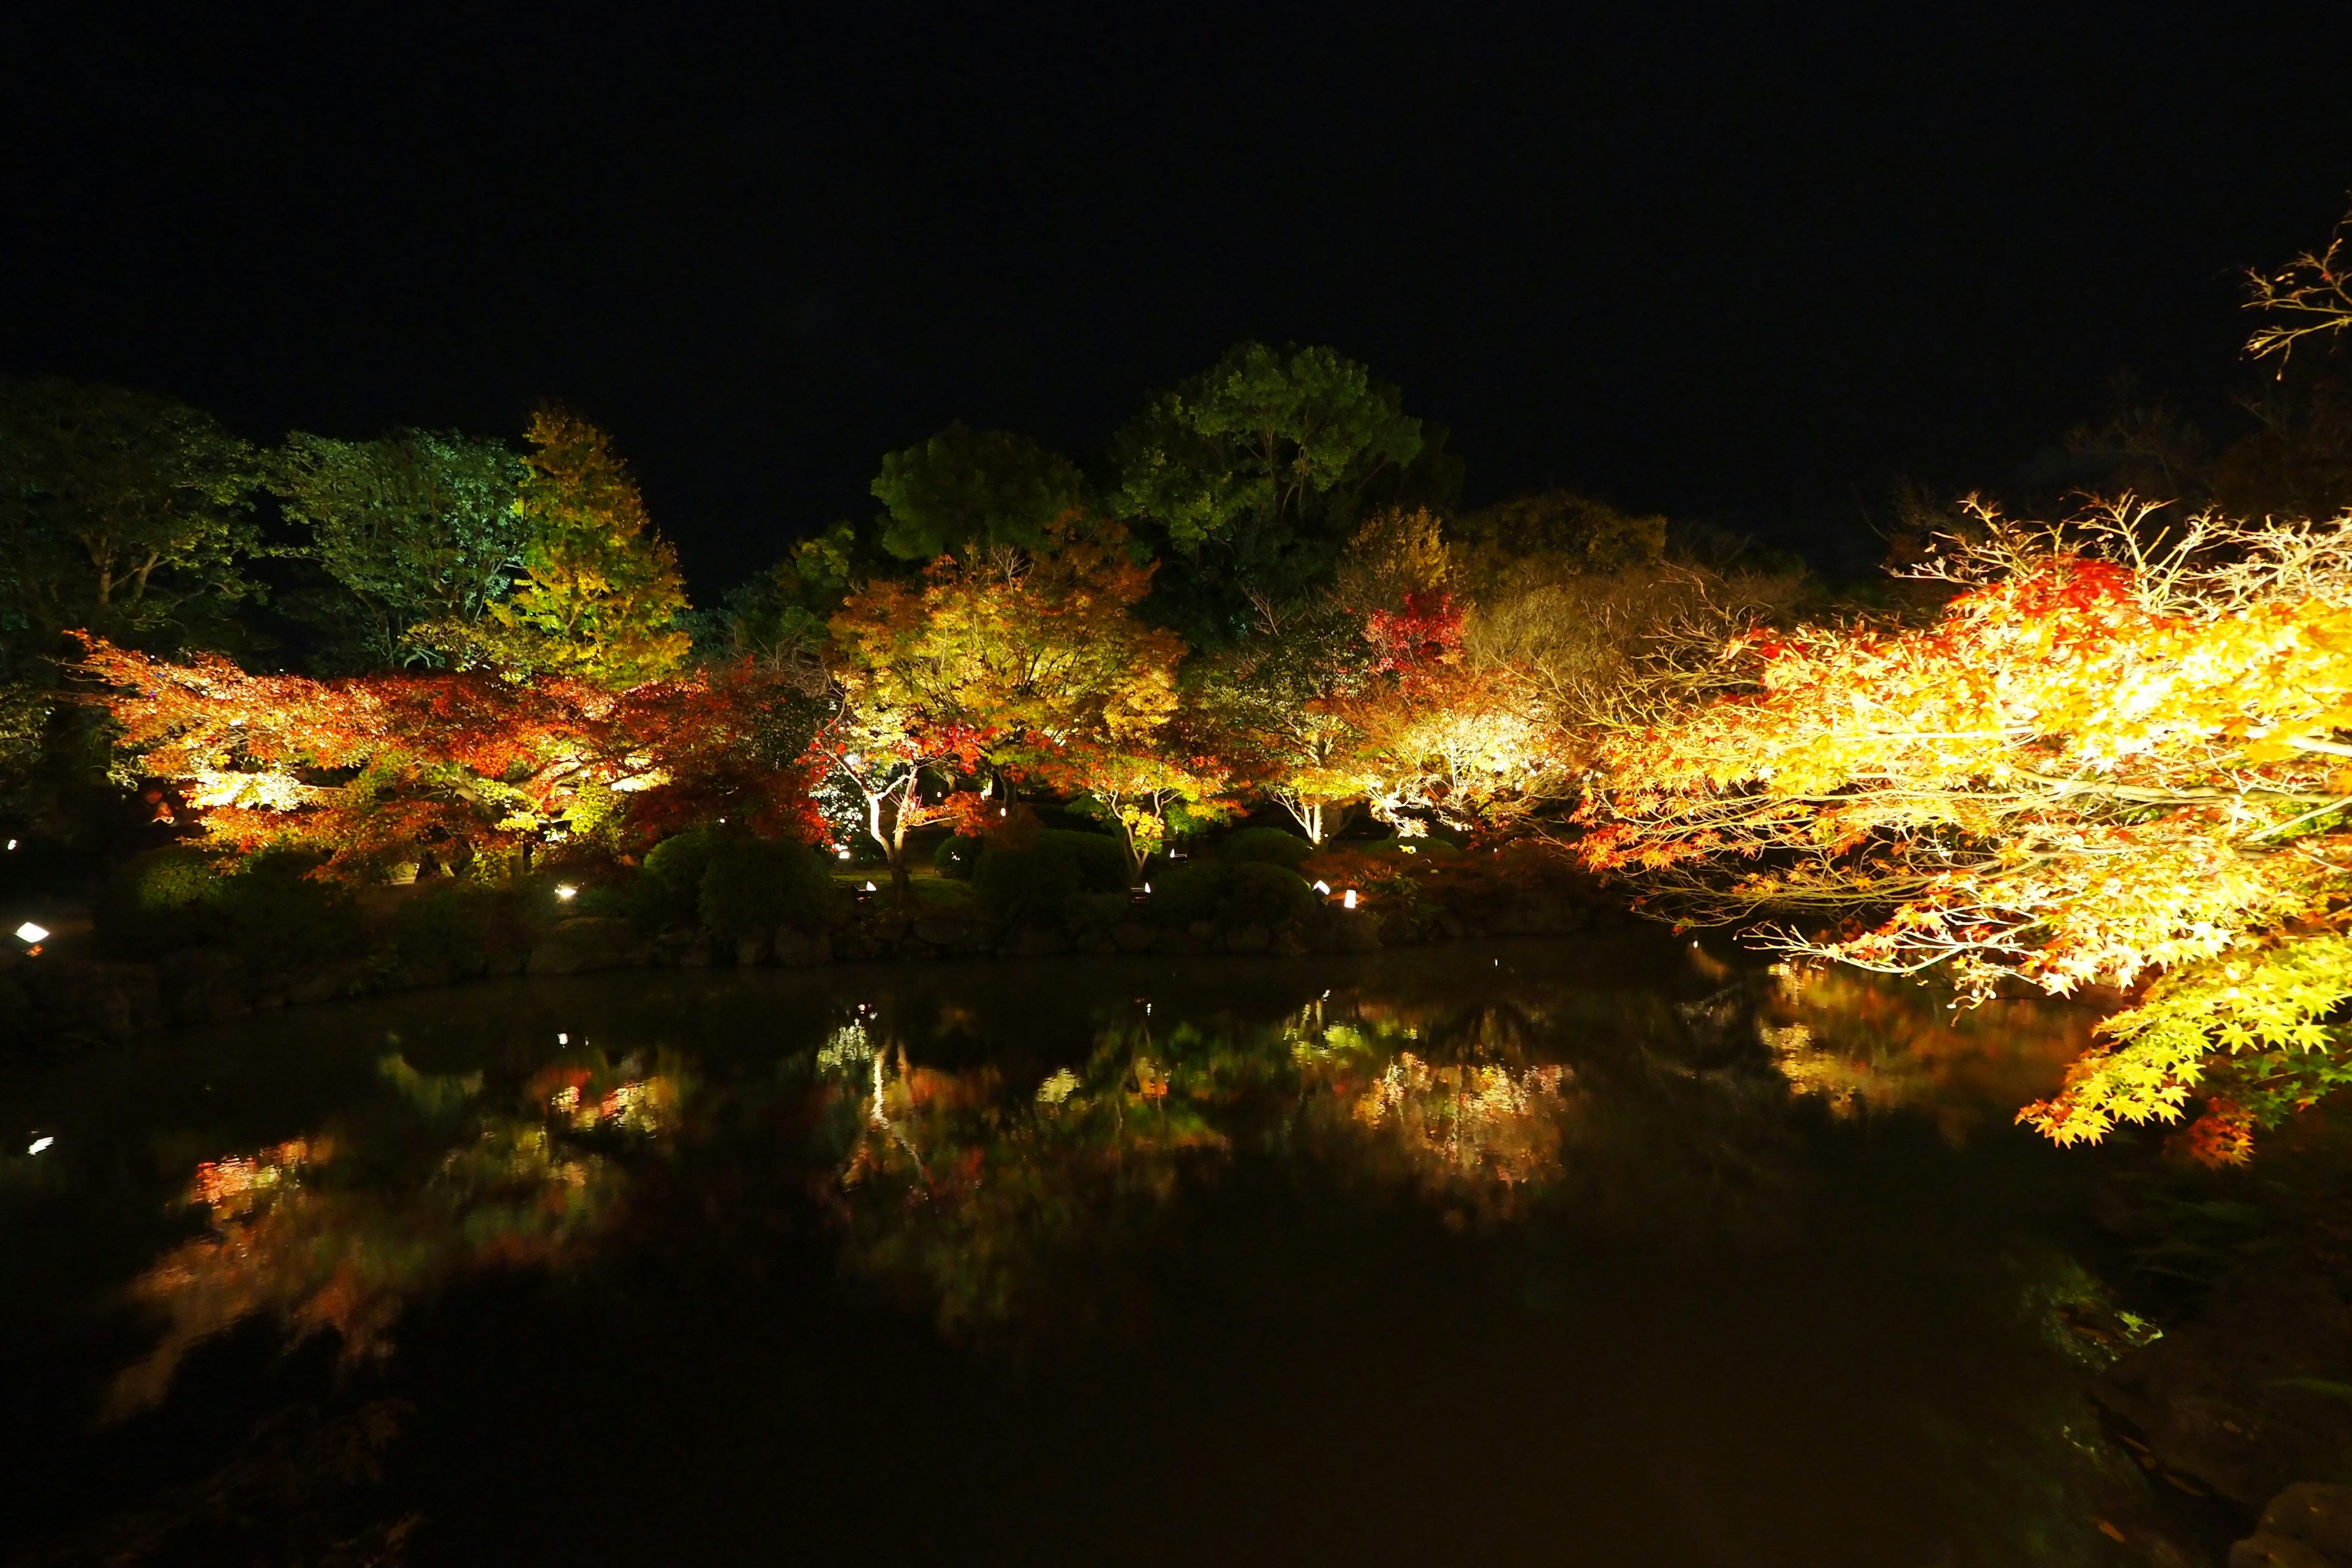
(38, 1144)
(31, 935)
(1323, 890)
(566, 891)
(1349, 897)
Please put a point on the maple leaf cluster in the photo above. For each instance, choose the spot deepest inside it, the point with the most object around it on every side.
(377, 770)
(2116, 759)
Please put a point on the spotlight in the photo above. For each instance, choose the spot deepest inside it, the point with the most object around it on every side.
(566, 891)
(1350, 898)
(31, 935)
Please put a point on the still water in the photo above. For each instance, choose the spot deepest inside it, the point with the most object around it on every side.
(1593, 1252)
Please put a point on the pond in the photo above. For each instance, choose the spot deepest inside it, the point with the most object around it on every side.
(1609, 1250)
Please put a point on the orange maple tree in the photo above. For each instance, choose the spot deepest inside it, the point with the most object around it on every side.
(377, 770)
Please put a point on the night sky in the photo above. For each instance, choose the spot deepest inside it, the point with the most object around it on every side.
(1748, 268)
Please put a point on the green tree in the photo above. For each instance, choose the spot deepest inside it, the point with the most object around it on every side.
(125, 513)
(973, 491)
(777, 620)
(600, 597)
(419, 527)
(1253, 472)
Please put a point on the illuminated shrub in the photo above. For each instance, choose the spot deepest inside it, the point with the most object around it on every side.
(1270, 846)
(670, 894)
(956, 857)
(164, 898)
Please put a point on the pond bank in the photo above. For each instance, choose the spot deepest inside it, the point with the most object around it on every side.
(69, 998)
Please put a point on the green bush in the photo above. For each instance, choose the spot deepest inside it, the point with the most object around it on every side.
(670, 893)
(1257, 894)
(163, 900)
(282, 918)
(1185, 893)
(1270, 845)
(1249, 893)
(456, 925)
(1096, 914)
(754, 885)
(1041, 875)
(956, 857)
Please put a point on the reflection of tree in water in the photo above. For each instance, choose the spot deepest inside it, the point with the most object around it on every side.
(1860, 1041)
(340, 1229)
(975, 1195)
(1458, 1100)
(990, 1198)
(1478, 1124)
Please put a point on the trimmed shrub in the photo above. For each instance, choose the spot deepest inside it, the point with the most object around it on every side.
(1257, 894)
(956, 857)
(752, 886)
(670, 893)
(1185, 893)
(1096, 914)
(163, 900)
(280, 918)
(1040, 874)
(456, 925)
(1250, 893)
(1270, 844)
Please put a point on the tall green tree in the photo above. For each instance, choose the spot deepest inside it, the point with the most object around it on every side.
(600, 596)
(125, 513)
(1252, 474)
(417, 527)
(971, 491)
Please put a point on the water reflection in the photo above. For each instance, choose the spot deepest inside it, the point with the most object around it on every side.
(1858, 1042)
(1658, 1190)
(340, 1229)
(971, 1189)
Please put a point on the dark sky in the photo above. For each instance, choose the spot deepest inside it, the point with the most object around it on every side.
(1748, 266)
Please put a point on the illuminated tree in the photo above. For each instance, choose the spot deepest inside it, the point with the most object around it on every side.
(1010, 653)
(2115, 760)
(1139, 784)
(600, 597)
(418, 527)
(466, 767)
(2309, 298)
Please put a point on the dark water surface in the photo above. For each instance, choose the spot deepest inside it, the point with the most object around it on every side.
(1588, 1252)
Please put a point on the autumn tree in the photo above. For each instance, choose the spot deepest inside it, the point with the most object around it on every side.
(472, 769)
(1599, 619)
(1010, 652)
(419, 528)
(2116, 759)
(600, 597)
